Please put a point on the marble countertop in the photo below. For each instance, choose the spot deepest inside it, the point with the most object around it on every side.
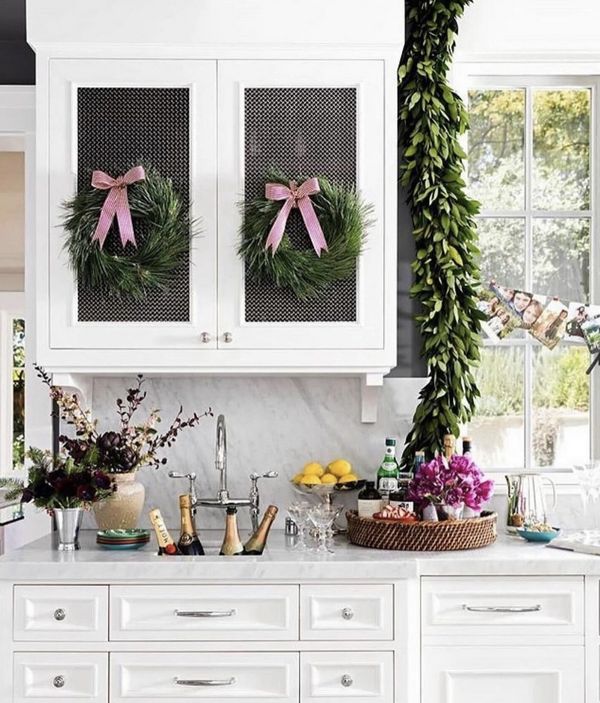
(509, 555)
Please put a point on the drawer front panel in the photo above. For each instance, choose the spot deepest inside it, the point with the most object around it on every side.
(64, 676)
(204, 613)
(360, 677)
(502, 605)
(210, 677)
(60, 613)
(347, 612)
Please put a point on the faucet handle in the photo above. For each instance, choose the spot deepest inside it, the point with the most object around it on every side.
(191, 477)
(269, 474)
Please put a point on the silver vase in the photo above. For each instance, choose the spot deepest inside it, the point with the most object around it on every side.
(68, 524)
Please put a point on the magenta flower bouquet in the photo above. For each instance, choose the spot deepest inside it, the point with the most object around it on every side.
(454, 482)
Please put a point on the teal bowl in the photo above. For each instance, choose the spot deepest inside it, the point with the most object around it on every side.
(121, 547)
(540, 537)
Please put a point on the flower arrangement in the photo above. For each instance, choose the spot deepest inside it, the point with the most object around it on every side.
(125, 450)
(55, 483)
(452, 482)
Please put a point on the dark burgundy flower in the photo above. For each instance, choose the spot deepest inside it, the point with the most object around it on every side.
(42, 490)
(102, 480)
(65, 488)
(27, 496)
(82, 478)
(56, 475)
(86, 493)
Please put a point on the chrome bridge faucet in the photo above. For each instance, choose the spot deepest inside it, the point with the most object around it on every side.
(223, 500)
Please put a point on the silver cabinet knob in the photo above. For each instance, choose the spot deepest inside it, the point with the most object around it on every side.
(205, 338)
(347, 613)
(228, 337)
(59, 681)
(347, 680)
(59, 614)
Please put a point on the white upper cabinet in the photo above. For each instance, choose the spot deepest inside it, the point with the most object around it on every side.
(216, 118)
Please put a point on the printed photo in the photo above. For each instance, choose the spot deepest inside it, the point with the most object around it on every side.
(550, 326)
(578, 314)
(500, 320)
(591, 333)
(532, 312)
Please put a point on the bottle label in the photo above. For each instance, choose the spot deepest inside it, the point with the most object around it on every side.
(367, 508)
(388, 484)
(406, 504)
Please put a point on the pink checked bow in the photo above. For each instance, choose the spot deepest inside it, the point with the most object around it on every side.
(295, 196)
(116, 203)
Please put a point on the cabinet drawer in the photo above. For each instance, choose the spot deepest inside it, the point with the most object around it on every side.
(63, 676)
(170, 677)
(502, 605)
(360, 677)
(204, 613)
(347, 612)
(60, 613)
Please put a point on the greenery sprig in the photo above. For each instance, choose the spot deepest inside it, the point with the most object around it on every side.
(134, 271)
(431, 119)
(344, 218)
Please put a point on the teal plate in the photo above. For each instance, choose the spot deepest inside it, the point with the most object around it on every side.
(118, 547)
(135, 533)
(534, 536)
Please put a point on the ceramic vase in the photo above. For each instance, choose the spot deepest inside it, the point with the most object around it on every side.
(68, 524)
(430, 513)
(469, 512)
(453, 512)
(123, 509)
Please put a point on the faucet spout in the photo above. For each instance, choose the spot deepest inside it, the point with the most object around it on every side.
(221, 457)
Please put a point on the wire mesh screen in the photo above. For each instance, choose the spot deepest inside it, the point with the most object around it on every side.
(301, 132)
(116, 129)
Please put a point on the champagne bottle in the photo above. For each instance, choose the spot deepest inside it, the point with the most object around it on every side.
(232, 544)
(189, 543)
(166, 544)
(257, 543)
(449, 446)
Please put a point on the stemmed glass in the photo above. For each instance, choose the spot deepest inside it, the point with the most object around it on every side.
(299, 512)
(322, 517)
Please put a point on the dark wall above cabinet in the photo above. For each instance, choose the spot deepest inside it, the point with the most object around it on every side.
(17, 60)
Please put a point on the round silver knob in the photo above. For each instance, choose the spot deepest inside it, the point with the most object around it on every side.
(59, 614)
(205, 338)
(347, 680)
(59, 681)
(347, 613)
(228, 337)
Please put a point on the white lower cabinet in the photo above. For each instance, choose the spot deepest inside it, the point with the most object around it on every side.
(60, 676)
(244, 677)
(497, 674)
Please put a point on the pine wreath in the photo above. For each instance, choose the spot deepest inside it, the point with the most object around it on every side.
(131, 271)
(344, 219)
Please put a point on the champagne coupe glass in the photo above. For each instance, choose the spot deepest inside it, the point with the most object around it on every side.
(588, 477)
(299, 512)
(322, 517)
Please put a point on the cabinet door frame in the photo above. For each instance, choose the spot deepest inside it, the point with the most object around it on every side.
(368, 77)
(65, 76)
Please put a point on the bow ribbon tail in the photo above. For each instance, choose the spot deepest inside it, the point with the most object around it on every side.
(106, 217)
(313, 226)
(278, 228)
(124, 218)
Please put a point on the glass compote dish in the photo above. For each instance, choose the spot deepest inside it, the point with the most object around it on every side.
(322, 517)
(327, 493)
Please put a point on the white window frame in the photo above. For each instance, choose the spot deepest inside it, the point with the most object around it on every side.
(467, 76)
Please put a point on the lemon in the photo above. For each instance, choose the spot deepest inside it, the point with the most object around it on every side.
(340, 467)
(347, 478)
(297, 478)
(328, 478)
(310, 480)
(313, 469)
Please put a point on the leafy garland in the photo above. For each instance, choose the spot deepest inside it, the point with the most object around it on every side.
(431, 119)
(344, 218)
(134, 271)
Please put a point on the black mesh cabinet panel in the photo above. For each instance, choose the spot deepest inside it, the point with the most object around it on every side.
(116, 129)
(301, 132)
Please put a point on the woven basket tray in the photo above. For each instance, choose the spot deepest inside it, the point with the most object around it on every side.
(443, 536)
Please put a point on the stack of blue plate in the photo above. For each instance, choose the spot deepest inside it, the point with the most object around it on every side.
(123, 539)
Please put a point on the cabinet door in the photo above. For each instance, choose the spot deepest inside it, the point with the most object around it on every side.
(303, 119)
(110, 115)
(546, 674)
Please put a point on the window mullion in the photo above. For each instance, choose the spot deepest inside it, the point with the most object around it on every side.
(528, 356)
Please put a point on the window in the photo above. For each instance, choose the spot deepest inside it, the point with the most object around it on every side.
(12, 382)
(529, 165)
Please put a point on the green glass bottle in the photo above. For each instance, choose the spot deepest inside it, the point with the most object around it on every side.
(387, 474)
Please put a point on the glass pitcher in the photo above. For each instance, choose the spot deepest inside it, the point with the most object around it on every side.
(526, 499)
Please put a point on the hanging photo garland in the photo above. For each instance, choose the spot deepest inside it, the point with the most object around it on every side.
(138, 265)
(336, 220)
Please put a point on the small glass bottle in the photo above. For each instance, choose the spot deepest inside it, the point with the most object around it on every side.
(369, 500)
(232, 544)
(418, 461)
(400, 497)
(467, 446)
(387, 474)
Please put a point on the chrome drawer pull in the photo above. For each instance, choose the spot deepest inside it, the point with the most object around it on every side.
(59, 614)
(58, 682)
(502, 608)
(205, 613)
(347, 613)
(347, 680)
(205, 682)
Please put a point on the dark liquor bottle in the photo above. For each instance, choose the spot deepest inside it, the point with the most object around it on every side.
(166, 544)
(467, 446)
(257, 543)
(232, 544)
(189, 543)
(418, 461)
(369, 500)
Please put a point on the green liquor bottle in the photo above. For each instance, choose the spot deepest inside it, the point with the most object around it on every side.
(387, 474)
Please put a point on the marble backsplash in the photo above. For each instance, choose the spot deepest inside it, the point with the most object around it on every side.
(276, 423)
(272, 423)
